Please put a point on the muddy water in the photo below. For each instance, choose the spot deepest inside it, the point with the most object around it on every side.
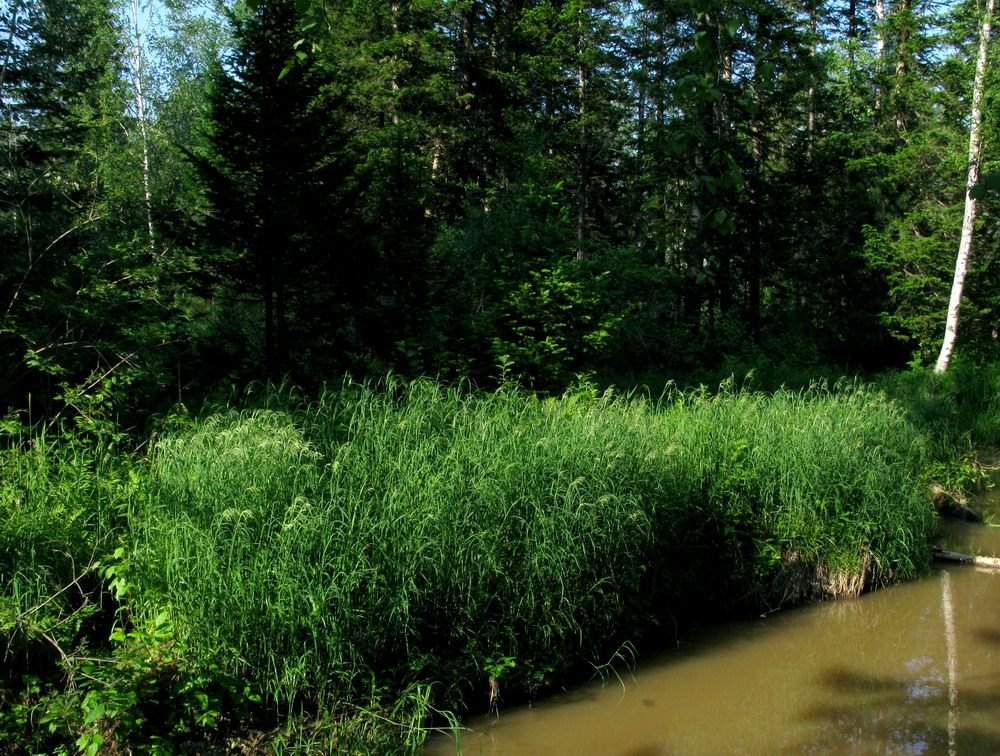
(914, 669)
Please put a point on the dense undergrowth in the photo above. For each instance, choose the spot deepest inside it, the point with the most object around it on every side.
(294, 575)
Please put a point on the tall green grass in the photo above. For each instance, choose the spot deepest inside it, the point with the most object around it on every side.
(404, 536)
(62, 507)
(957, 410)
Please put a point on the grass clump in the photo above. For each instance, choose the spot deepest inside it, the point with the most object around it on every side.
(414, 537)
(959, 409)
(62, 506)
(304, 576)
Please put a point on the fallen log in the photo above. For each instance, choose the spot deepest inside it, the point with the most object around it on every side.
(978, 561)
(948, 504)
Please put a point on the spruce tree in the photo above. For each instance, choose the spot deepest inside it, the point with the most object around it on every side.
(278, 177)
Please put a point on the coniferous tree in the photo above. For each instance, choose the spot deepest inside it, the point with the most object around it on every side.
(278, 179)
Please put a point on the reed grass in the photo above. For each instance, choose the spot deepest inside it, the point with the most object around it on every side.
(957, 410)
(403, 534)
(62, 506)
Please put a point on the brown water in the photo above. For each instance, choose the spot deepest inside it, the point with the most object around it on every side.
(914, 669)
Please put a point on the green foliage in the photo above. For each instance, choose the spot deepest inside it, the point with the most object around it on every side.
(62, 508)
(507, 285)
(551, 326)
(961, 475)
(272, 137)
(338, 570)
(84, 297)
(422, 534)
(919, 183)
(988, 183)
(959, 411)
(548, 189)
(76, 681)
(918, 266)
(146, 696)
(430, 187)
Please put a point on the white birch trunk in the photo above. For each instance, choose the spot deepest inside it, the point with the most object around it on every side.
(813, 49)
(435, 168)
(969, 219)
(7, 103)
(582, 167)
(880, 29)
(879, 46)
(138, 28)
(394, 84)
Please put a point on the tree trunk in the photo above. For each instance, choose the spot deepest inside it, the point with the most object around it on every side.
(903, 64)
(976, 561)
(140, 104)
(813, 50)
(852, 36)
(394, 82)
(583, 167)
(969, 219)
(879, 49)
(6, 102)
(270, 363)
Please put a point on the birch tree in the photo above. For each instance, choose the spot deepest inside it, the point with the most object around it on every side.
(138, 22)
(971, 201)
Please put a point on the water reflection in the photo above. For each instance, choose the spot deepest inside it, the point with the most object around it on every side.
(910, 670)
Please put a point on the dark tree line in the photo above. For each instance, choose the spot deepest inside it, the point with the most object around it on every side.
(539, 187)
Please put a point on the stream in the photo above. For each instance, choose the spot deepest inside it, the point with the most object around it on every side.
(912, 669)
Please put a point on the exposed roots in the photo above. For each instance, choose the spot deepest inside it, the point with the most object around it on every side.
(798, 581)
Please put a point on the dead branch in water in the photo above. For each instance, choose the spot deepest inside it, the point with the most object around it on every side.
(978, 561)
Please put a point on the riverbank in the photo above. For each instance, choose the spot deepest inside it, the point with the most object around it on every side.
(909, 669)
(338, 570)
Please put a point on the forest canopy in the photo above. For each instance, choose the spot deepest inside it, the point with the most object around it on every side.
(196, 194)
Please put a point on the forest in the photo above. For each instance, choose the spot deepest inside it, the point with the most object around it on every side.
(197, 195)
(288, 286)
